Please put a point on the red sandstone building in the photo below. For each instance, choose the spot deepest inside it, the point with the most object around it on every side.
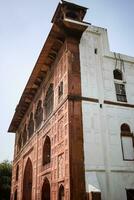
(74, 123)
(48, 157)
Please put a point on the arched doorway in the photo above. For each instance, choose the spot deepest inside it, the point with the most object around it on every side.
(27, 181)
(15, 195)
(46, 190)
(61, 193)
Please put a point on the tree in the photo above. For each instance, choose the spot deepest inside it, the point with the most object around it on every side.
(5, 179)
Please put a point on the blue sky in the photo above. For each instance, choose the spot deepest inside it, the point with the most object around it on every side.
(24, 26)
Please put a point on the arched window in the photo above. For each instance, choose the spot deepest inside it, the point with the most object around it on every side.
(117, 74)
(47, 151)
(31, 125)
(27, 181)
(17, 172)
(15, 195)
(119, 86)
(38, 114)
(127, 142)
(24, 135)
(61, 193)
(19, 146)
(125, 129)
(60, 90)
(49, 100)
(45, 190)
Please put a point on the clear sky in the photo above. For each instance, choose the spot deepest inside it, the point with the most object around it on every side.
(24, 26)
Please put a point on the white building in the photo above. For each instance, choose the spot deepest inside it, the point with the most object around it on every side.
(107, 81)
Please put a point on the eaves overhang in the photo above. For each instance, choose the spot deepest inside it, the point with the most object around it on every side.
(49, 52)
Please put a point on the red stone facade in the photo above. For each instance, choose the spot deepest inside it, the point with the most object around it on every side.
(49, 159)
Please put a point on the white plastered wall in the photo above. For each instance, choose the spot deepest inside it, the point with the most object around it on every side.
(105, 169)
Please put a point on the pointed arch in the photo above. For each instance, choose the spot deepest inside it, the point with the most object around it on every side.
(38, 114)
(49, 100)
(24, 136)
(47, 151)
(45, 194)
(61, 193)
(31, 125)
(27, 181)
(19, 146)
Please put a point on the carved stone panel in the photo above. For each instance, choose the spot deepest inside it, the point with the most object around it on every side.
(61, 166)
(60, 129)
